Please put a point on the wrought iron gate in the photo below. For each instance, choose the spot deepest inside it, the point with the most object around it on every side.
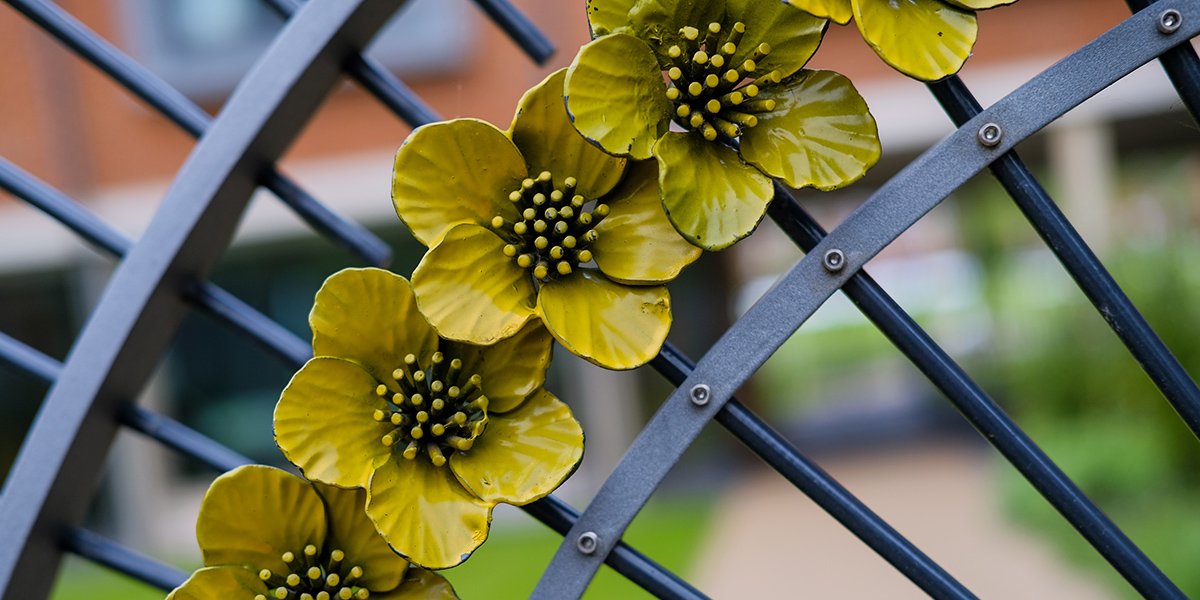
(162, 276)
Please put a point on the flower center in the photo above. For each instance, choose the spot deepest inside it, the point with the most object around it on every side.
(711, 95)
(312, 577)
(554, 233)
(437, 410)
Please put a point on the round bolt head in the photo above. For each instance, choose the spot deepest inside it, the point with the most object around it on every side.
(588, 542)
(834, 260)
(700, 394)
(1169, 21)
(990, 135)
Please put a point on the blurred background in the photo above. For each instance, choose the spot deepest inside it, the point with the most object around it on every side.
(1125, 167)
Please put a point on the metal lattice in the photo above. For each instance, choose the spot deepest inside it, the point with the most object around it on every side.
(161, 276)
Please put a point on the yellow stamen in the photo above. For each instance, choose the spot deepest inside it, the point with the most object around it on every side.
(563, 268)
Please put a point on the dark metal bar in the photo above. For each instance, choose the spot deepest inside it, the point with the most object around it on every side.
(103, 551)
(822, 488)
(192, 119)
(1084, 266)
(984, 414)
(181, 438)
(208, 297)
(1182, 67)
(28, 359)
(519, 28)
(375, 78)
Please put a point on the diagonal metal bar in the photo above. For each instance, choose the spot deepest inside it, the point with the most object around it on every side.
(192, 119)
(26, 358)
(519, 28)
(103, 551)
(211, 299)
(822, 488)
(1182, 67)
(1084, 266)
(898, 204)
(140, 309)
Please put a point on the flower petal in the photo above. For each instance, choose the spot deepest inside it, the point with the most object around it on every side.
(820, 134)
(637, 243)
(253, 514)
(352, 532)
(451, 172)
(793, 35)
(616, 96)
(419, 584)
(425, 514)
(838, 11)
(470, 290)
(220, 582)
(512, 369)
(925, 39)
(979, 4)
(324, 424)
(615, 326)
(543, 131)
(523, 455)
(712, 198)
(369, 316)
(609, 16)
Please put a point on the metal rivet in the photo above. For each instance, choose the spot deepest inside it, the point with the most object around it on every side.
(834, 260)
(700, 394)
(588, 542)
(1169, 21)
(990, 135)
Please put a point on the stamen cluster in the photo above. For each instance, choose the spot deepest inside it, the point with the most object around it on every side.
(555, 231)
(712, 95)
(313, 578)
(437, 410)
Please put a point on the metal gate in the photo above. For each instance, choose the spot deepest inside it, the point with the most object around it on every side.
(162, 276)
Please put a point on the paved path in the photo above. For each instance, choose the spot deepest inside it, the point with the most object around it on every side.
(771, 541)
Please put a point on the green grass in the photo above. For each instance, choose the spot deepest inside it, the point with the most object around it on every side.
(507, 566)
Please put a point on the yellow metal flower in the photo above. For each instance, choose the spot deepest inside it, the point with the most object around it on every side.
(537, 223)
(924, 39)
(266, 534)
(438, 432)
(688, 81)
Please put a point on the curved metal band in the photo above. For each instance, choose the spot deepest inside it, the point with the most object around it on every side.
(889, 212)
(142, 305)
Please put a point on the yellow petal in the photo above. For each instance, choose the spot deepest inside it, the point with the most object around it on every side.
(792, 35)
(838, 11)
(470, 290)
(925, 39)
(324, 424)
(219, 582)
(352, 532)
(979, 4)
(451, 172)
(512, 369)
(253, 514)
(425, 514)
(712, 198)
(637, 243)
(820, 134)
(608, 16)
(369, 316)
(419, 584)
(543, 132)
(523, 455)
(616, 95)
(615, 326)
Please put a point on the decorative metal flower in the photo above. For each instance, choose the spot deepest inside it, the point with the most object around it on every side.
(437, 431)
(267, 534)
(924, 39)
(537, 222)
(687, 81)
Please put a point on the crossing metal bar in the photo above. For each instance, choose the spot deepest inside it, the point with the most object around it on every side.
(519, 28)
(192, 119)
(892, 209)
(103, 551)
(1084, 266)
(25, 358)
(1182, 67)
